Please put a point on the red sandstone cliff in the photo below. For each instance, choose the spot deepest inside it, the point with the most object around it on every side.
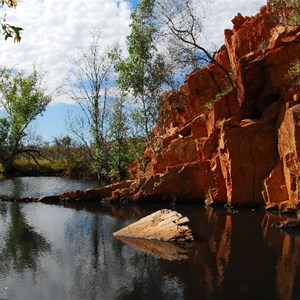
(239, 145)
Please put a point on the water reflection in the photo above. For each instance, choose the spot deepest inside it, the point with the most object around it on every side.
(22, 244)
(288, 260)
(56, 252)
(236, 256)
(158, 249)
(37, 186)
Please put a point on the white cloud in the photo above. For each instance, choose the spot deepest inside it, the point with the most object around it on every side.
(54, 28)
(223, 11)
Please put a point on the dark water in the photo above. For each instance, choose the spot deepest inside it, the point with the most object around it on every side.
(55, 252)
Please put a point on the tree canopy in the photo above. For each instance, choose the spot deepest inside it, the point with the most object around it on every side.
(143, 73)
(23, 99)
(288, 11)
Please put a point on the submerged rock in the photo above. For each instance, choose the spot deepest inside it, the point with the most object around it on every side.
(289, 224)
(163, 225)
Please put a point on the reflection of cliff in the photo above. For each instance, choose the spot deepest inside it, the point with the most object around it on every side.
(23, 245)
(288, 261)
(223, 253)
(122, 212)
(287, 266)
(220, 246)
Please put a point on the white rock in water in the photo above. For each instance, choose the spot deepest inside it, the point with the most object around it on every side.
(163, 225)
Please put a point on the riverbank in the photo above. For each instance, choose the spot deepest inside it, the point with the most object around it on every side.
(47, 167)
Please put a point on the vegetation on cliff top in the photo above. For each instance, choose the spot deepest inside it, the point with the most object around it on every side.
(287, 11)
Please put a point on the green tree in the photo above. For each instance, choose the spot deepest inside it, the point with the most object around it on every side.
(124, 148)
(10, 31)
(143, 73)
(288, 11)
(23, 99)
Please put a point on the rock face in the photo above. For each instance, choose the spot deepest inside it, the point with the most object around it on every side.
(232, 144)
(164, 225)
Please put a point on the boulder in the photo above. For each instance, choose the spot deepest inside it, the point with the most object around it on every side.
(163, 225)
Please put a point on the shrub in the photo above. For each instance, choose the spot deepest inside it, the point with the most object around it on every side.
(294, 73)
(288, 11)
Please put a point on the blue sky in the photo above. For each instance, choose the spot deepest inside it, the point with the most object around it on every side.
(53, 29)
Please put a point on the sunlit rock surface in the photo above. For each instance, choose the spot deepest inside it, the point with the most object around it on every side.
(163, 225)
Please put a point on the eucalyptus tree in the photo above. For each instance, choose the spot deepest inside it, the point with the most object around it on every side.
(92, 70)
(182, 24)
(10, 31)
(142, 74)
(120, 154)
(22, 99)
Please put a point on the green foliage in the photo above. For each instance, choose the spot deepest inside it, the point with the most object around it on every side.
(142, 73)
(10, 3)
(224, 92)
(123, 148)
(209, 104)
(23, 100)
(27, 166)
(62, 157)
(10, 31)
(92, 70)
(133, 70)
(294, 72)
(288, 11)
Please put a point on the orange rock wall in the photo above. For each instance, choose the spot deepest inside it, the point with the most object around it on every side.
(238, 145)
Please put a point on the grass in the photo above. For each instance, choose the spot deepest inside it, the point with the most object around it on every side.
(45, 167)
